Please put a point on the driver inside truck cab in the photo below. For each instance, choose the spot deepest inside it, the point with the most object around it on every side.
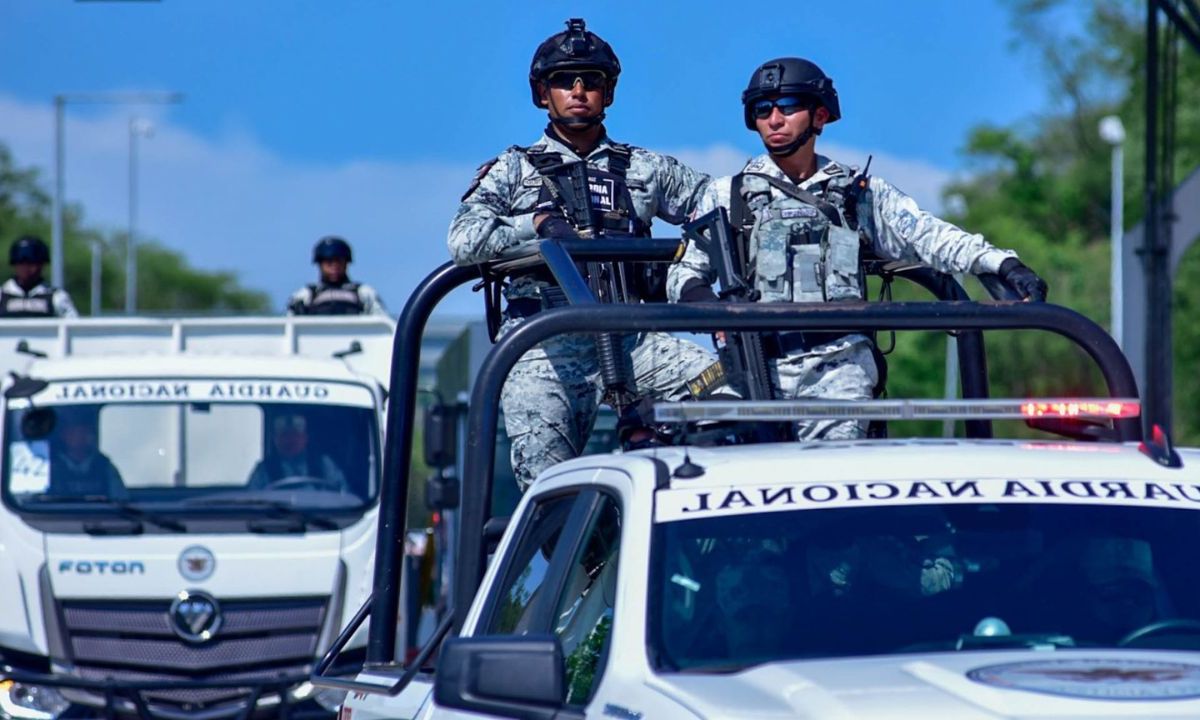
(290, 458)
(77, 467)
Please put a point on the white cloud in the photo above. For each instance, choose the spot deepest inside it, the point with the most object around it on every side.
(231, 203)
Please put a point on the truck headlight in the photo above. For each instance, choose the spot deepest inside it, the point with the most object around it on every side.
(330, 698)
(30, 702)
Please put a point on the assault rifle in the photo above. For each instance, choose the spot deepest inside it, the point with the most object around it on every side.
(742, 355)
(607, 280)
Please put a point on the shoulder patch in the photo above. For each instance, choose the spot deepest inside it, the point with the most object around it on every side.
(755, 165)
(479, 175)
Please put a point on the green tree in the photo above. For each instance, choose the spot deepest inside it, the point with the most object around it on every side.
(1041, 187)
(165, 281)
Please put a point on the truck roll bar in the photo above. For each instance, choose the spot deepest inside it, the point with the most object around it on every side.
(560, 257)
(711, 317)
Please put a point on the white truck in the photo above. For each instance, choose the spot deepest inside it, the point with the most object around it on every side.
(896, 580)
(188, 511)
(968, 578)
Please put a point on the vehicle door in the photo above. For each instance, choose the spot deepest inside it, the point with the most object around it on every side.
(560, 579)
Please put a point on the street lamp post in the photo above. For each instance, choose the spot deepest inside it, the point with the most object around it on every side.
(1112, 131)
(57, 222)
(137, 128)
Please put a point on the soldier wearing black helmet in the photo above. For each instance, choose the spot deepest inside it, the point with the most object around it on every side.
(334, 293)
(25, 295)
(551, 396)
(804, 219)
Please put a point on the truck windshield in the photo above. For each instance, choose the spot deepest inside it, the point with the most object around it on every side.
(731, 591)
(302, 445)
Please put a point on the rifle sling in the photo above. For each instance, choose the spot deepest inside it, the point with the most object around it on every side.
(827, 208)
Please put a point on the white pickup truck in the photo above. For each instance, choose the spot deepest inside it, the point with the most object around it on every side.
(188, 511)
(885, 579)
(967, 578)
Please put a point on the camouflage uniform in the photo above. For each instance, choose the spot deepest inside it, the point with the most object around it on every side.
(844, 369)
(551, 396)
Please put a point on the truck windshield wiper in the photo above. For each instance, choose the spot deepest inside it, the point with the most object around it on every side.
(124, 508)
(276, 508)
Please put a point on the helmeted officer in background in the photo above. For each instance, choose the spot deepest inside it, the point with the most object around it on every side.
(25, 295)
(335, 293)
(805, 219)
(551, 396)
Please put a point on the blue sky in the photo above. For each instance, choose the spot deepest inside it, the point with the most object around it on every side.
(367, 117)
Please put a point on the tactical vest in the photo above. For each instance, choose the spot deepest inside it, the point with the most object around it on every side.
(39, 303)
(802, 247)
(613, 211)
(613, 215)
(332, 300)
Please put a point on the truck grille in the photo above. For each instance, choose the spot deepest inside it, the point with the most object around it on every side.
(258, 641)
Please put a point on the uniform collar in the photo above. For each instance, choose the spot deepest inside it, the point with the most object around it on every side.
(554, 143)
(11, 287)
(765, 165)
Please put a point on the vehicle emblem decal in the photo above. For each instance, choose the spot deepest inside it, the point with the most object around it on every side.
(195, 616)
(1096, 678)
(197, 563)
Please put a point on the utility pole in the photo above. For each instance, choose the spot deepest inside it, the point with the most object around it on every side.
(137, 128)
(1112, 131)
(57, 221)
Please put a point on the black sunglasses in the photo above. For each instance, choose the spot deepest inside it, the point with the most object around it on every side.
(566, 79)
(788, 105)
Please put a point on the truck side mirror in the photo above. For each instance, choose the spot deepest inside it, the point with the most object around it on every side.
(503, 676)
(442, 490)
(440, 436)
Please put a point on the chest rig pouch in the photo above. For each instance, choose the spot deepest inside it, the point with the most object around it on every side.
(801, 249)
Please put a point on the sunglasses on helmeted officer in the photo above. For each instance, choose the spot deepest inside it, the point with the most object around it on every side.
(566, 79)
(788, 105)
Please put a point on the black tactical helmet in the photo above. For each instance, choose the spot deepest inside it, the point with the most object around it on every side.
(28, 249)
(578, 48)
(790, 76)
(331, 247)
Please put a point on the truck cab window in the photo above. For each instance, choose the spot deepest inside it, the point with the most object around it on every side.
(584, 616)
(515, 606)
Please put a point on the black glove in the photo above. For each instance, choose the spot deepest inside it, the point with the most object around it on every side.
(1023, 280)
(556, 226)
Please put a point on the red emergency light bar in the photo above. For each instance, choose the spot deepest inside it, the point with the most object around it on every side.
(1082, 408)
(997, 409)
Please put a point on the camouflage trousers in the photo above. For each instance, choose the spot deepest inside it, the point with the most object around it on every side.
(842, 370)
(551, 396)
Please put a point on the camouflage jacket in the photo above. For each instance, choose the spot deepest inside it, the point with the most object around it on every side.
(496, 214)
(902, 231)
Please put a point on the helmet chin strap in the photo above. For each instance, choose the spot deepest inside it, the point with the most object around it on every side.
(790, 149)
(578, 123)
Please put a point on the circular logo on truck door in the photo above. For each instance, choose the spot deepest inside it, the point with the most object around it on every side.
(1096, 678)
(197, 563)
(195, 616)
